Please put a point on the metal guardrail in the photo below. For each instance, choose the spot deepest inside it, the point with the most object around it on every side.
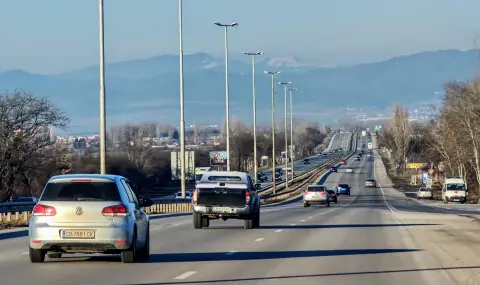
(13, 207)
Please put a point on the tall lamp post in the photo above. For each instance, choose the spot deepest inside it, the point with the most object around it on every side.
(253, 54)
(227, 104)
(182, 97)
(103, 132)
(286, 136)
(273, 74)
(291, 129)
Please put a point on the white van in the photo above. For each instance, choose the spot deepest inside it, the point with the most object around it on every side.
(454, 190)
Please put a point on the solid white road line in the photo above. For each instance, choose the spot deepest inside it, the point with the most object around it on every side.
(259, 239)
(185, 275)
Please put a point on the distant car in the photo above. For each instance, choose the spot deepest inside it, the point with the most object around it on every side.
(188, 195)
(424, 193)
(370, 183)
(343, 189)
(261, 177)
(306, 161)
(316, 194)
(343, 162)
(333, 169)
(333, 196)
(357, 158)
(92, 213)
(349, 170)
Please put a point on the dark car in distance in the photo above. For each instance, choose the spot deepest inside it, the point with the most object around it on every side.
(333, 169)
(333, 196)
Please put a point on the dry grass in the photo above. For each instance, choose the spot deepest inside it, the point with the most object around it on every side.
(11, 225)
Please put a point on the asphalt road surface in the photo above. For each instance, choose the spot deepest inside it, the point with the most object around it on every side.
(375, 236)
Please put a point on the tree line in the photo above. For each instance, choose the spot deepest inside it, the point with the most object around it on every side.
(449, 143)
(29, 155)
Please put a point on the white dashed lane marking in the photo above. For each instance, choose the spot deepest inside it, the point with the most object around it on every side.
(293, 224)
(259, 239)
(231, 252)
(302, 221)
(277, 231)
(185, 275)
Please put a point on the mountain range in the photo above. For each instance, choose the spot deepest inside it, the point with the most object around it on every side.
(148, 89)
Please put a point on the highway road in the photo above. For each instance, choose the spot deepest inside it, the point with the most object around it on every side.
(376, 236)
(338, 140)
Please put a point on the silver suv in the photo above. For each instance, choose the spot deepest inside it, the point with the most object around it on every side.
(89, 213)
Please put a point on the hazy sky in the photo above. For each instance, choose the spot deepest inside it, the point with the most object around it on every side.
(49, 36)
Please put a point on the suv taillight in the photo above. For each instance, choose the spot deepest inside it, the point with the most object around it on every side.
(114, 211)
(195, 197)
(42, 210)
(247, 198)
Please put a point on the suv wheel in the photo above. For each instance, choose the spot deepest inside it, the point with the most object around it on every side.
(36, 255)
(257, 220)
(197, 220)
(130, 255)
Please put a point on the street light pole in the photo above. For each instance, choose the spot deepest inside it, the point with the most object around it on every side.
(273, 73)
(286, 136)
(227, 103)
(253, 54)
(291, 129)
(103, 132)
(182, 107)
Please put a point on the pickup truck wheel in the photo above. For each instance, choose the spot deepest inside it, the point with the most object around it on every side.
(257, 220)
(249, 224)
(205, 222)
(306, 205)
(197, 220)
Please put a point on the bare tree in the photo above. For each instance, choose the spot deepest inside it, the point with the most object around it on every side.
(136, 143)
(25, 120)
(401, 132)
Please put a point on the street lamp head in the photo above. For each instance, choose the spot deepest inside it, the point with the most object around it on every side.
(234, 24)
(253, 53)
(272, 72)
(285, 83)
(293, 89)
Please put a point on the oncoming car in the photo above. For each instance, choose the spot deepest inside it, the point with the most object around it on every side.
(333, 169)
(89, 213)
(370, 183)
(424, 193)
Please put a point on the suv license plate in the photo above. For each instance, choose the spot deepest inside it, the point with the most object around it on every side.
(221, 209)
(78, 234)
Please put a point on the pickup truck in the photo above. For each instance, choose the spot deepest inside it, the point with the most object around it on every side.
(226, 195)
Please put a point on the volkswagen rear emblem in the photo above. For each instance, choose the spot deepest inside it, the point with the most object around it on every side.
(78, 211)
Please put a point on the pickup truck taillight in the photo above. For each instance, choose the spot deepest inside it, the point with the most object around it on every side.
(247, 198)
(324, 193)
(195, 197)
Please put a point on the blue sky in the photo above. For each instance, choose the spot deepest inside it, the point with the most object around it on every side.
(51, 36)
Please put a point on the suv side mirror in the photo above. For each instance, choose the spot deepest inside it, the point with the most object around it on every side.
(145, 202)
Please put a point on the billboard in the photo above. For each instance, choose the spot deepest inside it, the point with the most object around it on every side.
(218, 158)
(189, 165)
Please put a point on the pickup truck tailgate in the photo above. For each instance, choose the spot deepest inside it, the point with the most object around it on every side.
(221, 197)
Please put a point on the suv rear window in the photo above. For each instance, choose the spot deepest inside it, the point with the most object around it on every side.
(81, 191)
(316, 189)
(343, 185)
(224, 178)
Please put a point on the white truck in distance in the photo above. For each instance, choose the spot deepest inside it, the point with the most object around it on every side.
(454, 190)
(364, 133)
